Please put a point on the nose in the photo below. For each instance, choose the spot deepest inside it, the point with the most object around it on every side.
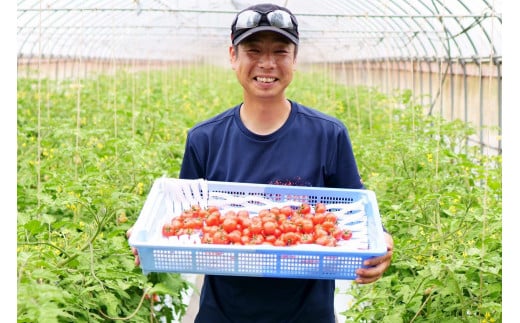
(266, 60)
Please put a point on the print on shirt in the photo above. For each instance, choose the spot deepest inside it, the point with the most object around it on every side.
(298, 181)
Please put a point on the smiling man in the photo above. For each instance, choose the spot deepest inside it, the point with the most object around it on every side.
(269, 139)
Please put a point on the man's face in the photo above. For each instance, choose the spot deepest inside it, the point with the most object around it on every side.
(264, 64)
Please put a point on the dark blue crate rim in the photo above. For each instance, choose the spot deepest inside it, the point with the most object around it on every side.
(317, 262)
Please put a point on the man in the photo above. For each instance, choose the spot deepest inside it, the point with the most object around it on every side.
(269, 139)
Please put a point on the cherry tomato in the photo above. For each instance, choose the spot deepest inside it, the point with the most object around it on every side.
(306, 226)
(286, 210)
(229, 224)
(269, 228)
(256, 226)
(320, 208)
(245, 239)
(257, 239)
(318, 218)
(213, 219)
(290, 238)
(167, 230)
(304, 208)
(330, 216)
(270, 238)
(234, 236)
(220, 237)
(307, 238)
(346, 234)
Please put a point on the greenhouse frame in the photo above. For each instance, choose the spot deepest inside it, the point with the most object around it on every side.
(448, 53)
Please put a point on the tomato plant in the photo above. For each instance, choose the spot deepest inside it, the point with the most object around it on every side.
(440, 198)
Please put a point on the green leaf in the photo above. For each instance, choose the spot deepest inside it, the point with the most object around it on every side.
(110, 302)
(34, 227)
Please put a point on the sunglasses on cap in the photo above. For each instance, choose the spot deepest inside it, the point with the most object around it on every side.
(277, 18)
(264, 17)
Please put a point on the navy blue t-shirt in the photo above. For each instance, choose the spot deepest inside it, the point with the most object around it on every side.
(310, 149)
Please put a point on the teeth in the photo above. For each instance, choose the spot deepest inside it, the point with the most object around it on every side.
(265, 79)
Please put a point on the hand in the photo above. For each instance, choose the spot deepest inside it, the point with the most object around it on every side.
(134, 250)
(376, 266)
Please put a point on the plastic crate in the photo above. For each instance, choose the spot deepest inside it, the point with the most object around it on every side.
(357, 210)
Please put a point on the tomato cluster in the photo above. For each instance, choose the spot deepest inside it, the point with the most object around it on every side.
(278, 226)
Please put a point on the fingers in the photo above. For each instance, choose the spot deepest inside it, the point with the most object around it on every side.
(128, 232)
(136, 256)
(134, 250)
(366, 280)
(375, 268)
(371, 274)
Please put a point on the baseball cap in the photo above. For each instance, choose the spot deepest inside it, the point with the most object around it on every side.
(264, 17)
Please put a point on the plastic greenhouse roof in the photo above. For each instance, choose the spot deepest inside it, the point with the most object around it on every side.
(199, 30)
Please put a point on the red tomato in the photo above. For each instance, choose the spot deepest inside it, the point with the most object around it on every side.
(167, 230)
(246, 231)
(245, 239)
(245, 222)
(188, 231)
(262, 212)
(336, 233)
(318, 218)
(320, 208)
(257, 239)
(195, 211)
(306, 226)
(330, 216)
(279, 243)
(327, 240)
(270, 239)
(229, 224)
(256, 226)
(319, 231)
(212, 208)
(346, 234)
(207, 238)
(290, 238)
(213, 219)
(243, 214)
(193, 223)
(328, 226)
(304, 208)
(220, 237)
(211, 229)
(234, 236)
(307, 238)
(268, 217)
(177, 224)
(286, 210)
(269, 228)
(203, 214)
(281, 217)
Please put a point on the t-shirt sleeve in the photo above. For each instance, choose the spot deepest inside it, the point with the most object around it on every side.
(191, 167)
(343, 170)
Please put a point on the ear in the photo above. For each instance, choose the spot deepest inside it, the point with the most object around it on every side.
(232, 56)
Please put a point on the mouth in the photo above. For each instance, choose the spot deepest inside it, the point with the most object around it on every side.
(265, 79)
